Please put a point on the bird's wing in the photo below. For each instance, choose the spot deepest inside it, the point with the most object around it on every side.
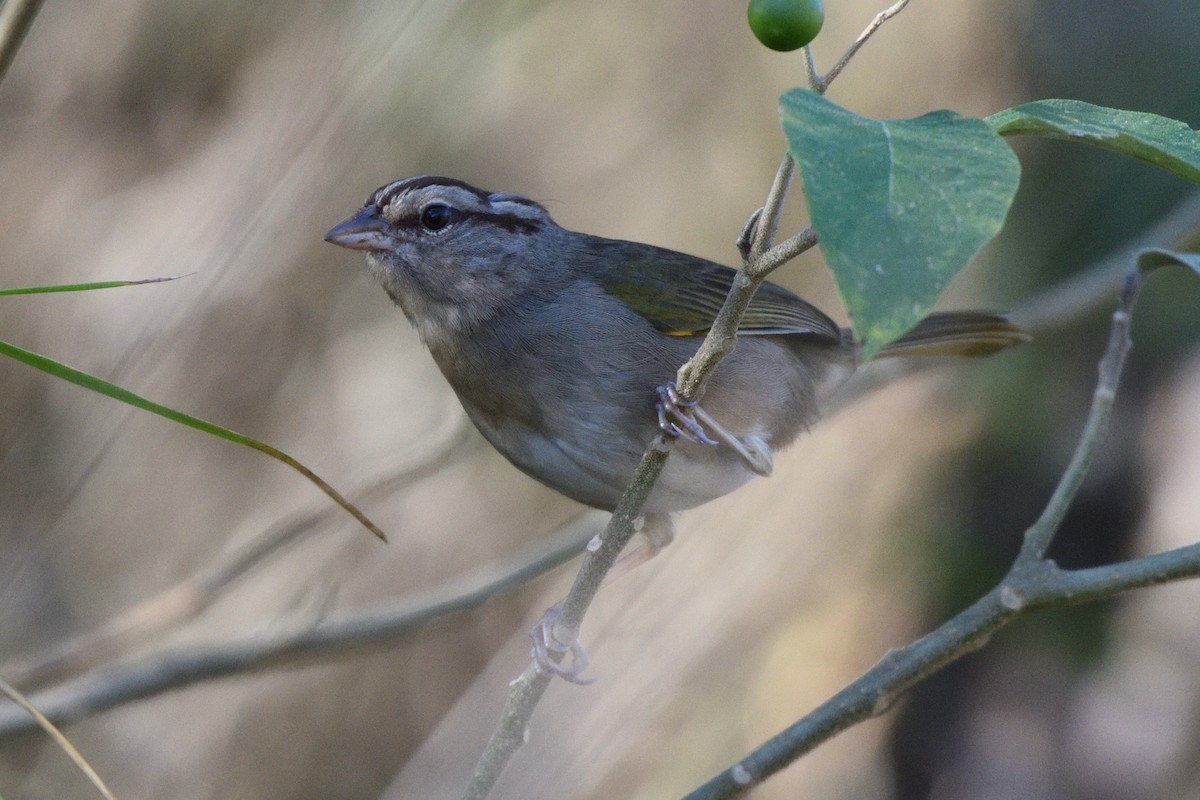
(681, 295)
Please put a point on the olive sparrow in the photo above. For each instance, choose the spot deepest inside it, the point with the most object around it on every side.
(560, 345)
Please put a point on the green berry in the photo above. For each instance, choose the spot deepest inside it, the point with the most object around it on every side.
(785, 24)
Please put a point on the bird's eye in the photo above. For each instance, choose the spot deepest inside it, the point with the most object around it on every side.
(437, 216)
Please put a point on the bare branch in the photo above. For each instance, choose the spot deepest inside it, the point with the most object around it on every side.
(1030, 584)
(781, 253)
(189, 598)
(1041, 533)
(768, 221)
(365, 629)
(868, 32)
(810, 70)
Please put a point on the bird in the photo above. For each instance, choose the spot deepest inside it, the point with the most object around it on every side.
(562, 346)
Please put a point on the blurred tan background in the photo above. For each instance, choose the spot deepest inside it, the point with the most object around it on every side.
(152, 138)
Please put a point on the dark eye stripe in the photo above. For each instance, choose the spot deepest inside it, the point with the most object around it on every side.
(384, 196)
(509, 222)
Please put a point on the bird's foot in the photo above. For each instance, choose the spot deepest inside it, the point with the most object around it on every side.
(685, 419)
(677, 416)
(549, 651)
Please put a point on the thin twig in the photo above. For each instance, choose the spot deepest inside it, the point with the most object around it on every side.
(810, 71)
(876, 24)
(1041, 533)
(15, 18)
(768, 220)
(876, 690)
(526, 691)
(1031, 583)
(350, 633)
(1099, 583)
(781, 253)
(190, 597)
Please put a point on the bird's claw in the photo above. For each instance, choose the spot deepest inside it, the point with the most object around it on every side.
(680, 418)
(675, 417)
(546, 646)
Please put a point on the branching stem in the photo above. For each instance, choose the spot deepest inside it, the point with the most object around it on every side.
(1031, 583)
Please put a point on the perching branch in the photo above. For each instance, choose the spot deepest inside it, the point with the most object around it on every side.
(760, 258)
(764, 225)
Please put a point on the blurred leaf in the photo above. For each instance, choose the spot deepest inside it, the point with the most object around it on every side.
(1154, 257)
(899, 206)
(1161, 141)
(72, 375)
(83, 287)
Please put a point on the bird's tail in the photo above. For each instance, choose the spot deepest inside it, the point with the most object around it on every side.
(958, 333)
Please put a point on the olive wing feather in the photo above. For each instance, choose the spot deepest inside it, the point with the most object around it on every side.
(681, 295)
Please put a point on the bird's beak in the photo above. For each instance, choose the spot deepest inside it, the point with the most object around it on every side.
(366, 230)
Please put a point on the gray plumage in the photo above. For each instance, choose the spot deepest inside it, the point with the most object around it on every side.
(555, 341)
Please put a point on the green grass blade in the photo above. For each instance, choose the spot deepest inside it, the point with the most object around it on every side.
(60, 370)
(84, 287)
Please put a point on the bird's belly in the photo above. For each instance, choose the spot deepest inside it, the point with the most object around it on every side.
(695, 474)
(569, 464)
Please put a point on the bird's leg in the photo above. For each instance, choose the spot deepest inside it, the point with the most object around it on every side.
(685, 419)
(658, 531)
(753, 450)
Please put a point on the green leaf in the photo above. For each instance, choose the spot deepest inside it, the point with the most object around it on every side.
(100, 386)
(899, 206)
(1166, 143)
(1154, 257)
(83, 287)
